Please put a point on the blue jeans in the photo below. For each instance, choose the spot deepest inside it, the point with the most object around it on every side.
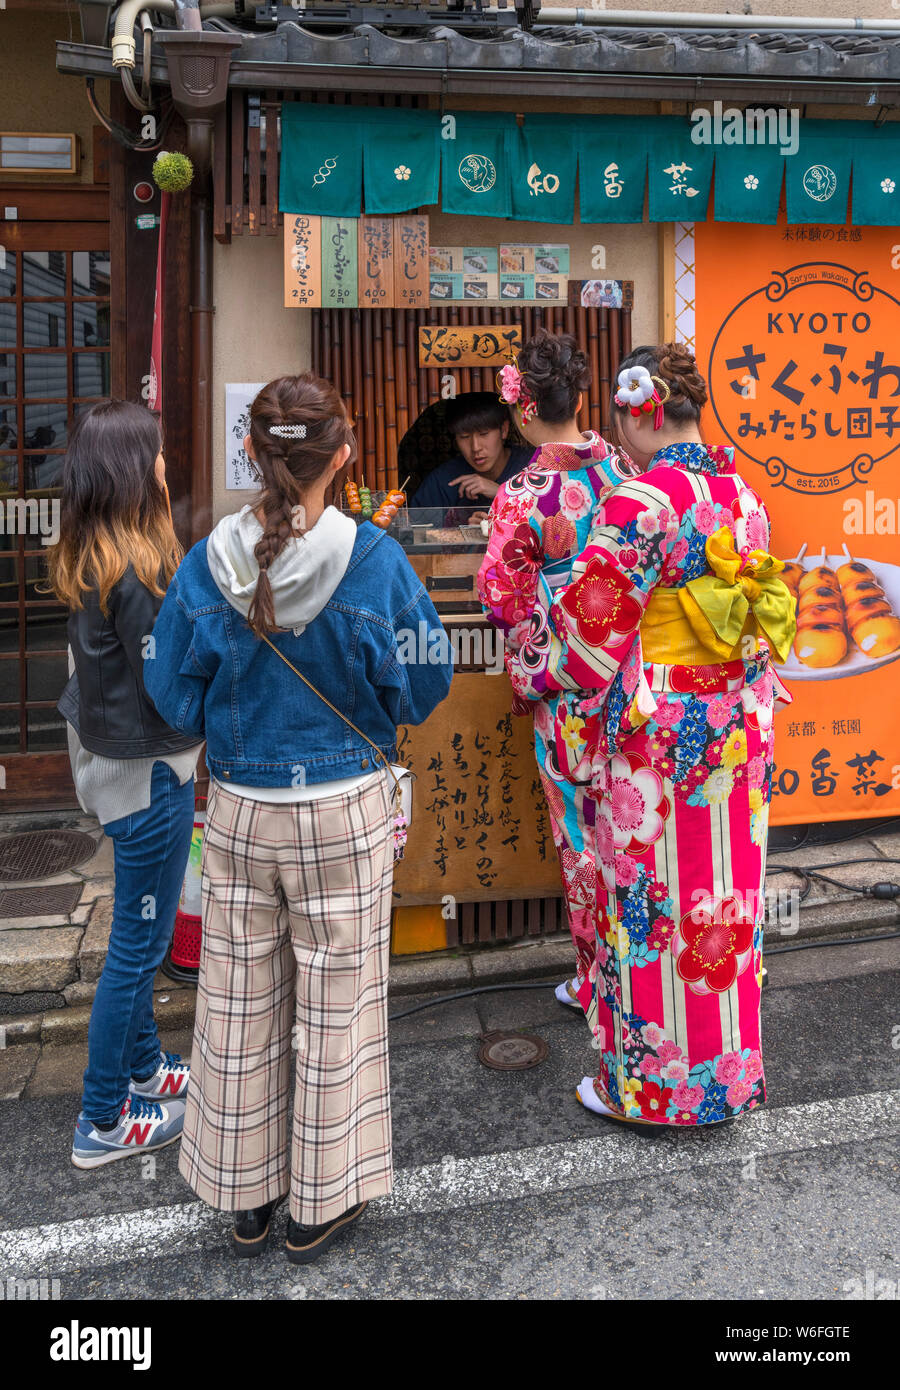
(150, 850)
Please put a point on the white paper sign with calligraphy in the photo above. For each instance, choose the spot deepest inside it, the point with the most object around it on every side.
(239, 471)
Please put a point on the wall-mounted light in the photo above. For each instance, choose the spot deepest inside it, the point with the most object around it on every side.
(25, 152)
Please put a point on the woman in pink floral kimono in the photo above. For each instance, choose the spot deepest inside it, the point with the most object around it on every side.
(659, 655)
(540, 520)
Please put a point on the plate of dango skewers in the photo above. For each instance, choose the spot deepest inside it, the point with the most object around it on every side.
(848, 615)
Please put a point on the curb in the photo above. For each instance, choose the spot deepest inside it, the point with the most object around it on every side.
(458, 969)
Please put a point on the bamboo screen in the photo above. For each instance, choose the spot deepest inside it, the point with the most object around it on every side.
(371, 356)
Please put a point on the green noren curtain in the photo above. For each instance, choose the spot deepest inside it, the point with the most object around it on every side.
(401, 161)
(876, 180)
(748, 183)
(612, 169)
(679, 172)
(321, 160)
(476, 158)
(485, 164)
(818, 177)
(544, 160)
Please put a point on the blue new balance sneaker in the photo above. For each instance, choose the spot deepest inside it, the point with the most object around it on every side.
(143, 1128)
(170, 1079)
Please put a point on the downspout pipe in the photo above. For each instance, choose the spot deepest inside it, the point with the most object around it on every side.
(199, 108)
(187, 15)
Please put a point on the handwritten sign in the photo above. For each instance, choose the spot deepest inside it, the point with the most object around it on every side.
(376, 263)
(339, 263)
(411, 269)
(468, 347)
(302, 262)
(480, 827)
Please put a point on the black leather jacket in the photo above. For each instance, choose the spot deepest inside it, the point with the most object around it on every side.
(105, 700)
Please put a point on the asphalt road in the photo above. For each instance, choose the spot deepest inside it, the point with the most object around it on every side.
(506, 1189)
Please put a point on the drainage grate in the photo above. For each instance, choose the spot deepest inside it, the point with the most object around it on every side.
(56, 900)
(511, 1051)
(40, 853)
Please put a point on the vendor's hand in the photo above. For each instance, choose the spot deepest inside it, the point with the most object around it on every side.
(471, 486)
(478, 516)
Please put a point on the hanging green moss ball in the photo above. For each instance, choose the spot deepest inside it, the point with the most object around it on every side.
(172, 172)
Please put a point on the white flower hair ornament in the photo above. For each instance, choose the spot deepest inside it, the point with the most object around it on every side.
(637, 391)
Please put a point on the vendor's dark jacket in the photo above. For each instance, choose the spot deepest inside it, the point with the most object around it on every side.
(436, 489)
(105, 700)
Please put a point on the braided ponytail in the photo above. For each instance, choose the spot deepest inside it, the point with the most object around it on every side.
(297, 425)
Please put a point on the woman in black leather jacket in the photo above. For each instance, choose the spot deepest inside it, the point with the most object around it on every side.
(116, 554)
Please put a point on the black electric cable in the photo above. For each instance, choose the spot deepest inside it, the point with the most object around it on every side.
(543, 984)
(465, 993)
(881, 891)
(119, 132)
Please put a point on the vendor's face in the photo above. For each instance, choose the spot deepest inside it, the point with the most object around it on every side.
(483, 449)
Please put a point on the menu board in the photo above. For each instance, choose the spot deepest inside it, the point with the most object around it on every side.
(534, 273)
(302, 262)
(463, 273)
(411, 262)
(339, 263)
(376, 263)
(480, 826)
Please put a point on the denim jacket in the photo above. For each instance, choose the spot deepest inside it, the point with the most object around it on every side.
(210, 676)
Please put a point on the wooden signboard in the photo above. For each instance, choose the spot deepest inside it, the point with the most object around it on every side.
(340, 268)
(302, 262)
(376, 263)
(411, 272)
(452, 346)
(480, 827)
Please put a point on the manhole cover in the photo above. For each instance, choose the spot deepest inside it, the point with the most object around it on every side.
(511, 1051)
(40, 853)
(56, 900)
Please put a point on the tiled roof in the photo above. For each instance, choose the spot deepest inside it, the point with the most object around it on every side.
(764, 53)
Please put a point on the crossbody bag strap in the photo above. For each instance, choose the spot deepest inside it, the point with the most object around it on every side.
(335, 710)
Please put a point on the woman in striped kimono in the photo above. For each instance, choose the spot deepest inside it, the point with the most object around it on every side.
(662, 648)
(540, 520)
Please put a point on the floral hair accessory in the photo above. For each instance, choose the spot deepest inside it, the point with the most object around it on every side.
(289, 431)
(511, 386)
(638, 393)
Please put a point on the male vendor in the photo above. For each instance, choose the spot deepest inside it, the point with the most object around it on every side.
(479, 423)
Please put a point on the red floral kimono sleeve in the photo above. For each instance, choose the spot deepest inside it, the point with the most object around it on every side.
(592, 623)
(508, 578)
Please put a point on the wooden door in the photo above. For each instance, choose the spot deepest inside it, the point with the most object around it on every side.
(54, 362)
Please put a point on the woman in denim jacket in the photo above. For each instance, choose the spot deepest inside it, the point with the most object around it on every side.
(298, 854)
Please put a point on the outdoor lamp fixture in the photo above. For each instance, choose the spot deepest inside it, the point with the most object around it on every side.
(24, 152)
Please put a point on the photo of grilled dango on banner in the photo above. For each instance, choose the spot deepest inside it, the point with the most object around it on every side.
(847, 615)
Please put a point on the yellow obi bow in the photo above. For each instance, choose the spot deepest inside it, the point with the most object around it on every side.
(738, 597)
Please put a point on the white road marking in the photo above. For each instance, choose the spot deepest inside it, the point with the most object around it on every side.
(614, 1155)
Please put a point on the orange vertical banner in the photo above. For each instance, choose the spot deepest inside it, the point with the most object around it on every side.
(302, 262)
(798, 333)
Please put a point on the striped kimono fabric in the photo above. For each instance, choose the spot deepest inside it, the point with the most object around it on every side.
(540, 521)
(681, 758)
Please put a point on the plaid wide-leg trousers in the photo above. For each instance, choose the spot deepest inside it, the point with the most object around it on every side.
(293, 973)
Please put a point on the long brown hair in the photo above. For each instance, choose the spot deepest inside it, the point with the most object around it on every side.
(114, 513)
(289, 466)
